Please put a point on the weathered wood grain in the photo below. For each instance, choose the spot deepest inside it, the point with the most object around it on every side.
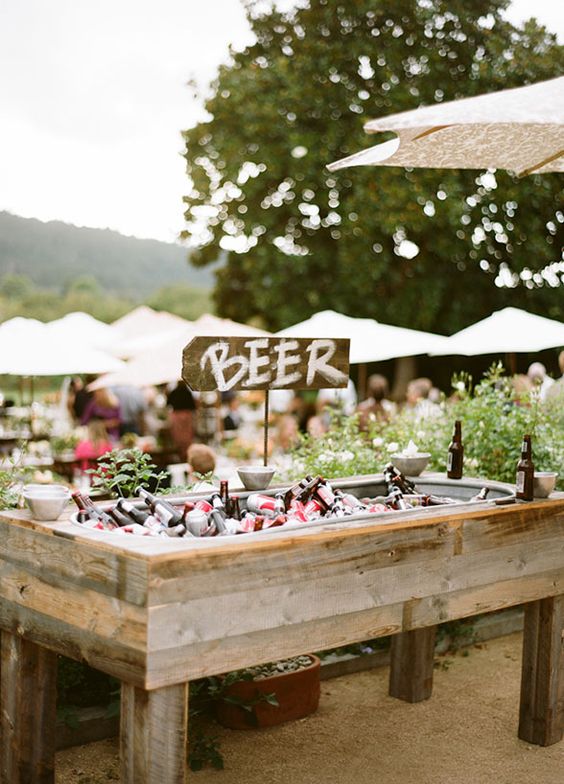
(28, 688)
(78, 563)
(412, 658)
(541, 714)
(225, 363)
(153, 735)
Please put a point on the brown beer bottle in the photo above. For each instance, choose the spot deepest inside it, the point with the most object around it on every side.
(525, 472)
(455, 458)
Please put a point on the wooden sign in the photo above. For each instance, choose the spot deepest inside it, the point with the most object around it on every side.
(223, 364)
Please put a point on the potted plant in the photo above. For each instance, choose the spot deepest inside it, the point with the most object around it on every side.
(119, 472)
(268, 694)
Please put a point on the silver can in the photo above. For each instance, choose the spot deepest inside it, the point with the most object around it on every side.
(196, 522)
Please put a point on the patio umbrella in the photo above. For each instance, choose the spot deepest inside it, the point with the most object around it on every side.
(520, 129)
(510, 330)
(370, 340)
(161, 361)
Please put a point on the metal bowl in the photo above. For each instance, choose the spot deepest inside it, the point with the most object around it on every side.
(256, 477)
(46, 502)
(544, 483)
(411, 465)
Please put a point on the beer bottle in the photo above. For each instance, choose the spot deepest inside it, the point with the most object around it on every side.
(136, 515)
(295, 491)
(525, 472)
(455, 458)
(224, 495)
(92, 512)
(162, 510)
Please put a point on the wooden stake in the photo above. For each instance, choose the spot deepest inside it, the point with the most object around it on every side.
(412, 659)
(265, 460)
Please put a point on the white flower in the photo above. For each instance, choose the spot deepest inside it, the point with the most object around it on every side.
(460, 386)
(393, 447)
(376, 442)
(345, 456)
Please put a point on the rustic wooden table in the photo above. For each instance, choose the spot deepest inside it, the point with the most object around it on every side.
(158, 613)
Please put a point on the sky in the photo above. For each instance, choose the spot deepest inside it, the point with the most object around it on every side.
(93, 96)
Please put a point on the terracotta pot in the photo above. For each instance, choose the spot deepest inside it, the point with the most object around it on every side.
(297, 694)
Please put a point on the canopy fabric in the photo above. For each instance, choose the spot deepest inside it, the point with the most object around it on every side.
(83, 328)
(370, 340)
(510, 330)
(29, 348)
(161, 363)
(520, 129)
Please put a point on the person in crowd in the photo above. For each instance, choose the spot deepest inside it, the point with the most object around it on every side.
(133, 408)
(201, 461)
(376, 406)
(541, 382)
(232, 415)
(556, 392)
(522, 388)
(181, 405)
(93, 446)
(344, 399)
(287, 432)
(104, 405)
(209, 424)
(78, 397)
(418, 401)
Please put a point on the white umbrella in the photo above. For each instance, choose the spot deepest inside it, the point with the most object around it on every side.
(161, 363)
(370, 340)
(83, 328)
(142, 329)
(510, 330)
(520, 129)
(40, 355)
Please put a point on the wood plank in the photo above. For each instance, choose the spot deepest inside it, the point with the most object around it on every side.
(193, 661)
(172, 580)
(523, 524)
(482, 599)
(412, 658)
(28, 689)
(106, 655)
(153, 735)
(306, 595)
(79, 563)
(106, 617)
(541, 714)
(211, 657)
(224, 363)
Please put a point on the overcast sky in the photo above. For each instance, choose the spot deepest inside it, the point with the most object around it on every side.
(93, 98)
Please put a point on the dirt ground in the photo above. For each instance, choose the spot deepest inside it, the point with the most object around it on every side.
(465, 734)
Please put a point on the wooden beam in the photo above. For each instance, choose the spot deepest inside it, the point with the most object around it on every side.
(28, 689)
(153, 735)
(541, 714)
(411, 664)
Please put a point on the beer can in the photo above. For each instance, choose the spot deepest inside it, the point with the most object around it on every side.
(263, 504)
(196, 522)
(313, 508)
(297, 512)
(203, 505)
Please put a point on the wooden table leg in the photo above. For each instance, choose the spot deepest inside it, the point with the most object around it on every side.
(541, 714)
(411, 664)
(153, 735)
(28, 700)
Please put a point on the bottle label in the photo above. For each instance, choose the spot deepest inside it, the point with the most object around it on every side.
(520, 483)
(449, 462)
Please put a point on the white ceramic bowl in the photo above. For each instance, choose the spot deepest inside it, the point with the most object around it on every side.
(544, 483)
(411, 465)
(255, 477)
(46, 502)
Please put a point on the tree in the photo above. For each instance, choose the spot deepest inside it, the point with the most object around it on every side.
(301, 239)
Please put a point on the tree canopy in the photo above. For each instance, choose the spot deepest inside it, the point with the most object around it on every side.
(300, 239)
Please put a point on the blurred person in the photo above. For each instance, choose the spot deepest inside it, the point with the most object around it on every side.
(556, 391)
(78, 397)
(201, 461)
(96, 444)
(182, 405)
(522, 388)
(232, 416)
(133, 409)
(541, 382)
(287, 432)
(376, 406)
(104, 405)
(346, 398)
(417, 399)
(209, 425)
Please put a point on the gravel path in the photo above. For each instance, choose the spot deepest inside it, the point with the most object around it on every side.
(465, 734)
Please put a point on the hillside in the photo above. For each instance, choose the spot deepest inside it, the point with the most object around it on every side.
(54, 254)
